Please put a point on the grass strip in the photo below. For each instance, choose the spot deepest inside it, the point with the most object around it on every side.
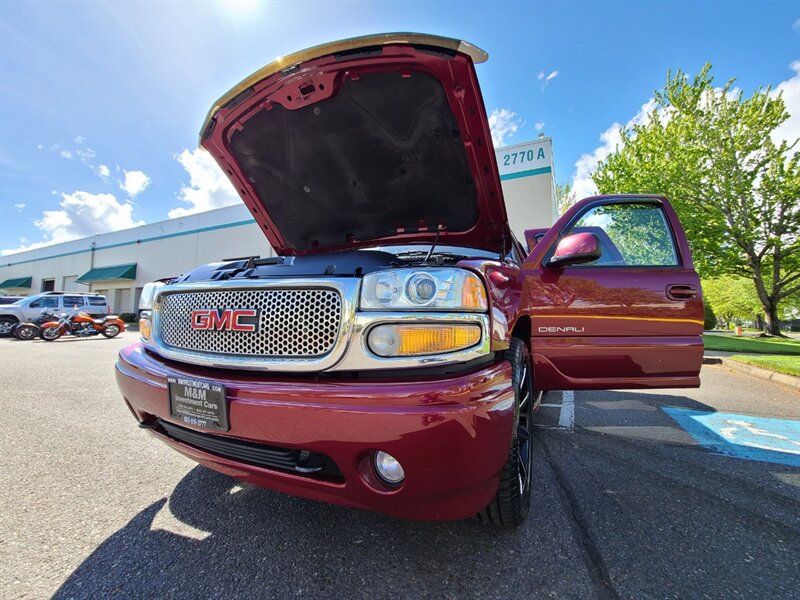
(790, 365)
(755, 345)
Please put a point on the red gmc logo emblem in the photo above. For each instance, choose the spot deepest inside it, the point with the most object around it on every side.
(225, 319)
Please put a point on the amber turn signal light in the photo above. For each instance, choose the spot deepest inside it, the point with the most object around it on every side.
(144, 328)
(414, 340)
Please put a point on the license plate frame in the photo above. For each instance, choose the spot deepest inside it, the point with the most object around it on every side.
(198, 403)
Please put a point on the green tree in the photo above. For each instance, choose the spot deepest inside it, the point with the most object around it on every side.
(736, 191)
(709, 318)
(565, 197)
(733, 299)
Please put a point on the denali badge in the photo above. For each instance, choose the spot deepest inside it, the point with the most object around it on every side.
(560, 329)
(225, 319)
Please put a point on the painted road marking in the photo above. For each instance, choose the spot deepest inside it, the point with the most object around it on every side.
(742, 436)
(567, 417)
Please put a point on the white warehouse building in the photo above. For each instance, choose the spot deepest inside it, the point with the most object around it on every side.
(118, 264)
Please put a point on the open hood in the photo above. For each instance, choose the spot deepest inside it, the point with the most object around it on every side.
(370, 141)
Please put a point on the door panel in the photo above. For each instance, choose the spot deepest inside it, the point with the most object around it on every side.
(633, 317)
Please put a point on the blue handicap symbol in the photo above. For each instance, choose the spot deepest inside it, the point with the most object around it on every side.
(742, 436)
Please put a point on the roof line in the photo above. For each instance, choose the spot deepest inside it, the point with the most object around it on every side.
(138, 241)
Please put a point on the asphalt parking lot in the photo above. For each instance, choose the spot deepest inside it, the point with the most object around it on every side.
(631, 501)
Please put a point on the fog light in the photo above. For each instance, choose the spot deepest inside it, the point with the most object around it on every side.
(388, 468)
(384, 340)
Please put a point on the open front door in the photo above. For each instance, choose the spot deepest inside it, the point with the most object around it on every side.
(614, 299)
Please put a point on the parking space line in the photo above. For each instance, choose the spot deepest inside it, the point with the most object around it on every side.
(551, 405)
(567, 417)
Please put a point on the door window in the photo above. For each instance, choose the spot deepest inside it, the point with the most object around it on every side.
(71, 301)
(45, 302)
(630, 234)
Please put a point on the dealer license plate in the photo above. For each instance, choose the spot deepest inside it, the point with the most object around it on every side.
(198, 403)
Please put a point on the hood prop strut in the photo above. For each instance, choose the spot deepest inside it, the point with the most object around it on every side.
(435, 241)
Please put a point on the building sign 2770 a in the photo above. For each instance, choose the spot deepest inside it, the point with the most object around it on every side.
(529, 158)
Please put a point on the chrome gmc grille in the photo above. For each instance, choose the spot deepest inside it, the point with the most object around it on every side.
(292, 323)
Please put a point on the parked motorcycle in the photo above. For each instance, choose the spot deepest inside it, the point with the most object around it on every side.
(80, 324)
(27, 330)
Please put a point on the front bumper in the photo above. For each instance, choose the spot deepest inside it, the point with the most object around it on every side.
(451, 433)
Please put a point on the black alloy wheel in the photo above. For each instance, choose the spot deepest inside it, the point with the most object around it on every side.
(26, 332)
(511, 504)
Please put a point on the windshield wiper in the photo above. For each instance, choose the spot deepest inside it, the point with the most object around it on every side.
(425, 253)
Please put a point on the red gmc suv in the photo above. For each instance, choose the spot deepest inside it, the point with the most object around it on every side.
(393, 355)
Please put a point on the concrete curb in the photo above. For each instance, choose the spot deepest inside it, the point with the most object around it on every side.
(759, 372)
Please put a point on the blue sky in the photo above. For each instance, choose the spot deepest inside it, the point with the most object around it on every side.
(100, 102)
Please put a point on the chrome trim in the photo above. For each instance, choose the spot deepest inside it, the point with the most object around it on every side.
(348, 289)
(350, 352)
(360, 358)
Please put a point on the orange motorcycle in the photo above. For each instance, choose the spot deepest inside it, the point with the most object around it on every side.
(81, 324)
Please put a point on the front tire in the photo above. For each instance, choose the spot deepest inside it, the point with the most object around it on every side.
(511, 504)
(50, 334)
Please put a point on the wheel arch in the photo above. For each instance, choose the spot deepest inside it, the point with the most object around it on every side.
(522, 330)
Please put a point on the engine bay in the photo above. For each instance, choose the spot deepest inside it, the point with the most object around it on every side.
(347, 263)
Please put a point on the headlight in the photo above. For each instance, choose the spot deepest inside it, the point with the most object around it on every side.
(429, 289)
(149, 293)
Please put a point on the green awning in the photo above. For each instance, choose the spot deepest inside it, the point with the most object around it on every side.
(17, 282)
(109, 273)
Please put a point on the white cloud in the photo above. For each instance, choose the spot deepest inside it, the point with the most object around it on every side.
(611, 138)
(40, 146)
(82, 214)
(20, 205)
(545, 78)
(135, 182)
(80, 139)
(66, 154)
(539, 125)
(789, 130)
(504, 124)
(103, 172)
(85, 153)
(208, 186)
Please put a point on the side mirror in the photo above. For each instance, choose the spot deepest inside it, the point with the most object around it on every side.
(576, 249)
